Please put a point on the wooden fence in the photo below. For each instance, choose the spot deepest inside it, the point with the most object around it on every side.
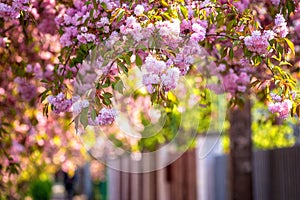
(175, 182)
(276, 176)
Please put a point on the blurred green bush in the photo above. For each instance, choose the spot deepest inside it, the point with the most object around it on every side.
(41, 189)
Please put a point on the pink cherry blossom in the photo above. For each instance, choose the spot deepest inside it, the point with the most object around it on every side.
(281, 26)
(170, 79)
(60, 103)
(282, 108)
(257, 42)
(106, 116)
(138, 10)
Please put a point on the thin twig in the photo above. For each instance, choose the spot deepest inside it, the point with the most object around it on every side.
(221, 35)
(9, 28)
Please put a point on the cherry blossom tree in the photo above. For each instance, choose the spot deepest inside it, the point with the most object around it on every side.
(45, 46)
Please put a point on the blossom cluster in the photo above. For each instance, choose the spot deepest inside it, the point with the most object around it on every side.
(106, 116)
(186, 57)
(79, 25)
(45, 12)
(196, 27)
(199, 30)
(77, 107)
(279, 106)
(139, 9)
(133, 27)
(258, 42)
(169, 31)
(170, 79)
(241, 5)
(281, 26)
(159, 73)
(26, 89)
(60, 103)
(38, 72)
(13, 11)
(234, 82)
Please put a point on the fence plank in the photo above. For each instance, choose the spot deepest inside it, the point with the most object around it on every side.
(190, 177)
(125, 178)
(149, 184)
(136, 181)
(221, 180)
(163, 186)
(114, 182)
(262, 175)
(177, 180)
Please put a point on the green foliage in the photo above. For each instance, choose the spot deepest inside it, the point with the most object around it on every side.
(40, 189)
(268, 135)
(265, 133)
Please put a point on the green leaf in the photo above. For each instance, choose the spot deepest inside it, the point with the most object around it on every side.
(236, 43)
(92, 13)
(247, 53)
(230, 24)
(279, 49)
(44, 95)
(154, 96)
(1, 23)
(118, 86)
(107, 95)
(97, 101)
(141, 47)
(223, 52)
(106, 101)
(256, 60)
(138, 61)
(123, 67)
(84, 117)
(220, 20)
(285, 63)
(120, 16)
(184, 11)
(164, 3)
(103, 5)
(106, 84)
(87, 3)
(277, 58)
(46, 110)
(6, 124)
(231, 53)
(93, 114)
(166, 15)
(290, 6)
(290, 44)
(172, 97)
(126, 58)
